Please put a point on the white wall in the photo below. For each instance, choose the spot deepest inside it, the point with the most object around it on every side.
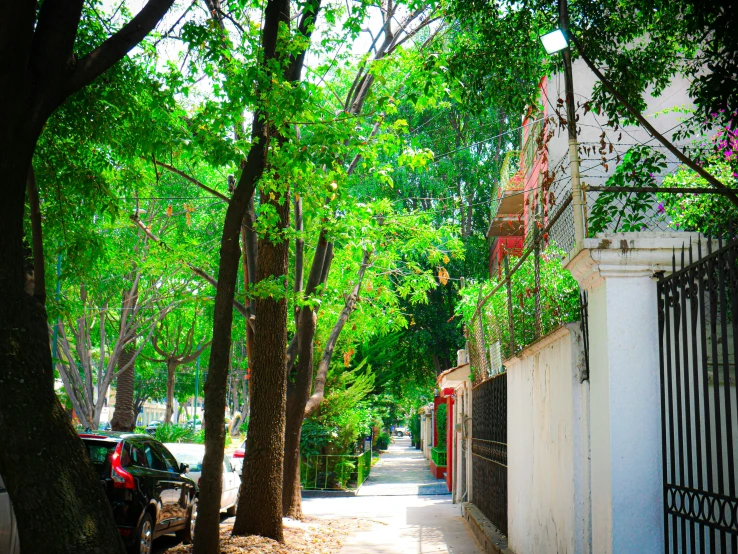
(548, 447)
(462, 434)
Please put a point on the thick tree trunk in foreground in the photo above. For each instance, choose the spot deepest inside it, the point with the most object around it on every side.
(260, 497)
(57, 498)
(35, 431)
(124, 417)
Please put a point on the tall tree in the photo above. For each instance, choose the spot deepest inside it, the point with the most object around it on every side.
(176, 347)
(40, 69)
(262, 514)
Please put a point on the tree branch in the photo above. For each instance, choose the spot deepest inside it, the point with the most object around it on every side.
(686, 160)
(319, 391)
(192, 180)
(117, 46)
(39, 273)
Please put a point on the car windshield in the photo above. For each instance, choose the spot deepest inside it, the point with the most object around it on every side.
(191, 459)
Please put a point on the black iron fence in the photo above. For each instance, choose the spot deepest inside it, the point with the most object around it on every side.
(697, 305)
(489, 449)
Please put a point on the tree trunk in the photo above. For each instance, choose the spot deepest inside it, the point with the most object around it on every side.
(260, 497)
(171, 368)
(299, 391)
(124, 417)
(35, 432)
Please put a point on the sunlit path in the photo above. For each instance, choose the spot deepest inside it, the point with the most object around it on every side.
(410, 511)
(402, 470)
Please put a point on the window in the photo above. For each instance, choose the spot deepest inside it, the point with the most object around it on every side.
(153, 457)
(227, 467)
(192, 460)
(98, 454)
(171, 463)
(136, 456)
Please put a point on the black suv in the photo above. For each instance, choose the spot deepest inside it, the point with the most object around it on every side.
(147, 488)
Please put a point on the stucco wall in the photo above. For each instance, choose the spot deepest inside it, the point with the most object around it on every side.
(548, 447)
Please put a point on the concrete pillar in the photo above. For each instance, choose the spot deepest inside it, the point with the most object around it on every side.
(618, 271)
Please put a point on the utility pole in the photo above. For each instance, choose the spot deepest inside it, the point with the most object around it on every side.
(577, 199)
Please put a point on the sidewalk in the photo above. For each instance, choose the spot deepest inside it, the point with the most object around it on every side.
(410, 511)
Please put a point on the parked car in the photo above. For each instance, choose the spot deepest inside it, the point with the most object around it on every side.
(152, 426)
(192, 455)
(9, 540)
(104, 426)
(237, 458)
(401, 431)
(194, 425)
(146, 486)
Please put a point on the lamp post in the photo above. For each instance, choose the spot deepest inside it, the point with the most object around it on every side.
(557, 41)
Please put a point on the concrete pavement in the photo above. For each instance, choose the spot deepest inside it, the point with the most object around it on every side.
(410, 511)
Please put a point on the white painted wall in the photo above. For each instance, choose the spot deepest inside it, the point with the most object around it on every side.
(626, 479)
(548, 447)
(462, 418)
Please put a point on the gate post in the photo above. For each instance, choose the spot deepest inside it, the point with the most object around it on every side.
(627, 484)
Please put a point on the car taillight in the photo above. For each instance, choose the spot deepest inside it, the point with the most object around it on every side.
(121, 478)
(239, 453)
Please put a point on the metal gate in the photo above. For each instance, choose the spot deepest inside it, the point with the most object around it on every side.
(489, 449)
(698, 304)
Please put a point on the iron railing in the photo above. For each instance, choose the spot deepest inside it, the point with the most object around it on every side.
(698, 334)
(489, 449)
(438, 455)
(335, 471)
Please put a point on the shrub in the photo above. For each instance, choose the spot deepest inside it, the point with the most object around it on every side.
(441, 425)
(383, 441)
(174, 433)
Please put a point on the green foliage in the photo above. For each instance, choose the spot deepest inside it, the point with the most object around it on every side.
(415, 427)
(174, 433)
(628, 211)
(559, 293)
(441, 419)
(710, 214)
(383, 441)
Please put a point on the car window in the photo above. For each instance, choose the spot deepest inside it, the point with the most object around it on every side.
(153, 457)
(192, 460)
(227, 465)
(100, 453)
(136, 456)
(172, 464)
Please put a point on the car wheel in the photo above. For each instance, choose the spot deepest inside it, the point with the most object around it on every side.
(144, 536)
(187, 535)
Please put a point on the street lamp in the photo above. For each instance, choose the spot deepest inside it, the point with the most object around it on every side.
(555, 41)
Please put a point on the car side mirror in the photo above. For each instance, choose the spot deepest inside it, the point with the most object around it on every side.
(184, 468)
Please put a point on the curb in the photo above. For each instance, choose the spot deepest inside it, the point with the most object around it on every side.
(490, 539)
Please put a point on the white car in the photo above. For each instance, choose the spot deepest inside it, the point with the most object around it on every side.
(9, 540)
(192, 455)
(237, 458)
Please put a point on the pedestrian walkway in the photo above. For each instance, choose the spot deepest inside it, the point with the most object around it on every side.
(402, 471)
(410, 511)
